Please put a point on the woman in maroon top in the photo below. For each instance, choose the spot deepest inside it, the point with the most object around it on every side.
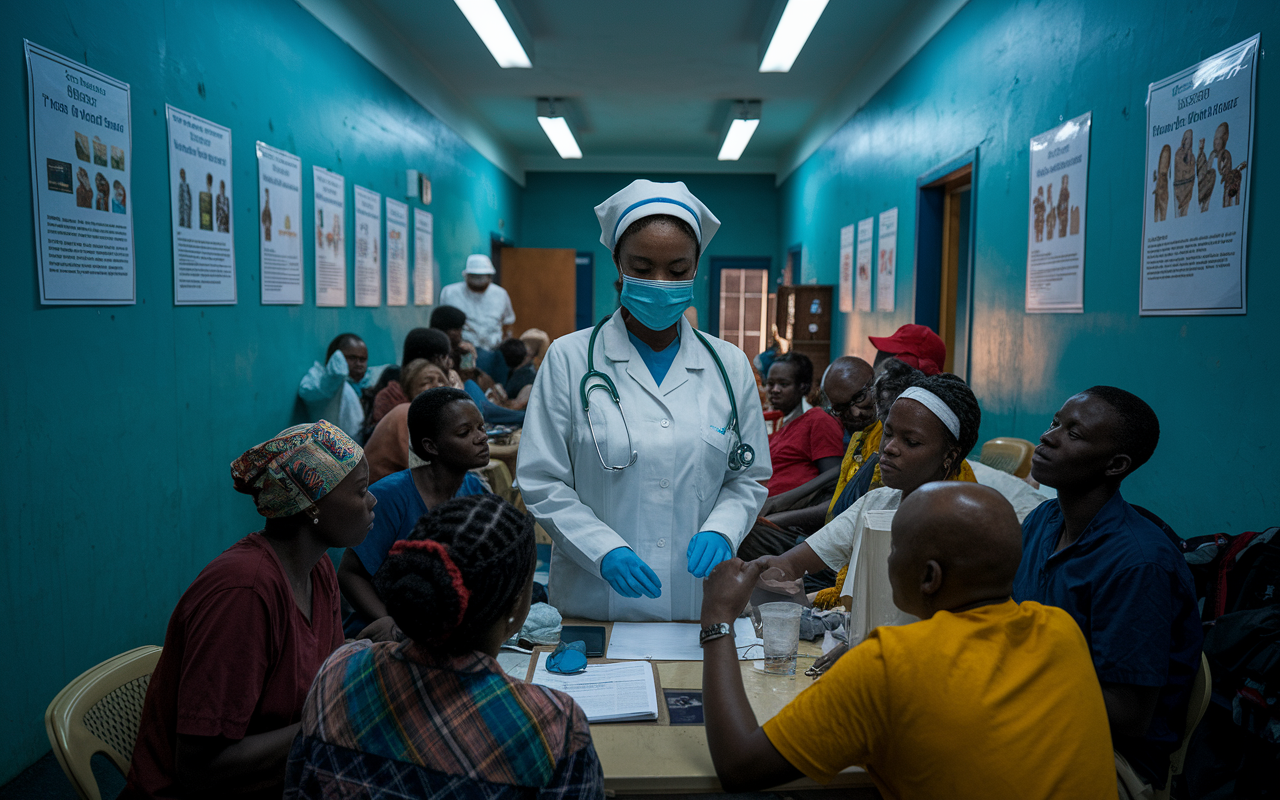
(248, 636)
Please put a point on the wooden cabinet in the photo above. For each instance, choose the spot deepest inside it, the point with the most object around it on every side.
(804, 318)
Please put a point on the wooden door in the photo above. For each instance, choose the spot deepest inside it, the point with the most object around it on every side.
(804, 317)
(542, 283)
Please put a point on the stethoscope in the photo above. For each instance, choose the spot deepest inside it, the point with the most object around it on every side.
(741, 455)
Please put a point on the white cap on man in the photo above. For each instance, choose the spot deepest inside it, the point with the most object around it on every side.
(479, 265)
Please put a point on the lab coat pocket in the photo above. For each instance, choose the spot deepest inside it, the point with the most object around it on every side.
(712, 459)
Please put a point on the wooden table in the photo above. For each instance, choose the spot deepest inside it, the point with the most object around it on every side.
(657, 757)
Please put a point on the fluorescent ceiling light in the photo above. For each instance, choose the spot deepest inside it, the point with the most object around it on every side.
(793, 30)
(496, 33)
(561, 137)
(735, 141)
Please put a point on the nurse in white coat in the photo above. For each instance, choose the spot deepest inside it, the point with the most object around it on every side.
(642, 498)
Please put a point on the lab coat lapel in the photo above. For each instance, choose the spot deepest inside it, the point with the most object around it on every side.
(692, 358)
(618, 347)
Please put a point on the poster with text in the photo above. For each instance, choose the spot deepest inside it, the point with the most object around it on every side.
(331, 252)
(424, 263)
(397, 253)
(204, 253)
(81, 162)
(846, 269)
(1195, 221)
(1055, 238)
(368, 247)
(280, 225)
(863, 266)
(887, 272)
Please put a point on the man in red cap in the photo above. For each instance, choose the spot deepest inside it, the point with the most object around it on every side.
(915, 345)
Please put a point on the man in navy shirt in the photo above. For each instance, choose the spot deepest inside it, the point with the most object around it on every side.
(1093, 555)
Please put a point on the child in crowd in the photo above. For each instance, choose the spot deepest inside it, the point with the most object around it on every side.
(982, 698)
(248, 636)
(435, 715)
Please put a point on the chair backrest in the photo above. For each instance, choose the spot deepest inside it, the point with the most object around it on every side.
(1008, 454)
(1197, 704)
(99, 712)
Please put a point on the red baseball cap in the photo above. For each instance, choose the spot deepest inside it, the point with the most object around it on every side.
(915, 345)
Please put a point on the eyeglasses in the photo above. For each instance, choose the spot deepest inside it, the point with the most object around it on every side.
(860, 398)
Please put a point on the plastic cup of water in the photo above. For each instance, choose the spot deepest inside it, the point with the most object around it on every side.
(781, 622)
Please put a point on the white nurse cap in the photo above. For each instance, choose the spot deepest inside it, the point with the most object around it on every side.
(645, 199)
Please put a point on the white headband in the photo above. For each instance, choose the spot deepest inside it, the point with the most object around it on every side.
(935, 404)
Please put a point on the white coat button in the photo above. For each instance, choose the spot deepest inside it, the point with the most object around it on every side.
(666, 423)
(664, 483)
(662, 543)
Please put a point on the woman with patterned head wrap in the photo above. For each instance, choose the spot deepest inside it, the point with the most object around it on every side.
(249, 634)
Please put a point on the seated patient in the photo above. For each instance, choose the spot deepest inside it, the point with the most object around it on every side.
(447, 434)
(388, 444)
(1092, 554)
(332, 390)
(419, 343)
(810, 441)
(436, 716)
(982, 698)
(249, 634)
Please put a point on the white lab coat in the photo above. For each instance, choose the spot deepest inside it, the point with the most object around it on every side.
(680, 484)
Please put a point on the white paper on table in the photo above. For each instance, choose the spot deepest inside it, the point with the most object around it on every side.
(670, 641)
(607, 692)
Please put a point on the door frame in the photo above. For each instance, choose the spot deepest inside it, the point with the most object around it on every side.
(720, 263)
(584, 262)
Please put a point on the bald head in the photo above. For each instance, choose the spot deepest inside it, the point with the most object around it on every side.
(955, 544)
(847, 387)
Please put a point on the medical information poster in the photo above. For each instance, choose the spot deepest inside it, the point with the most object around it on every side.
(368, 247)
(424, 280)
(331, 252)
(204, 255)
(887, 273)
(397, 253)
(81, 157)
(1195, 224)
(846, 269)
(1055, 238)
(279, 224)
(865, 250)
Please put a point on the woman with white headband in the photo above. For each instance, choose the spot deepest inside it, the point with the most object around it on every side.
(644, 450)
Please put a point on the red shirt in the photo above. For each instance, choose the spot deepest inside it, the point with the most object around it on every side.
(238, 659)
(796, 448)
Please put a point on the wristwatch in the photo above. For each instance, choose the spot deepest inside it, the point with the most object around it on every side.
(715, 632)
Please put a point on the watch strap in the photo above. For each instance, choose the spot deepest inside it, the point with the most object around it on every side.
(715, 632)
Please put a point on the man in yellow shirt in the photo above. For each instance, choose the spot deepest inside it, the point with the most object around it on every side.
(983, 698)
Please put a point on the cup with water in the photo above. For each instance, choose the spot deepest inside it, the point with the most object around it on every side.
(781, 623)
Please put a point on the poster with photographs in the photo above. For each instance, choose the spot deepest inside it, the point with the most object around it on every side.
(204, 254)
(887, 265)
(330, 191)
(397, 253)
(1195, 223)
(1055, 238)
(279, 226)
(81, 157)
(846, 269)
(866, 229)
(368, 247)
(424, 263)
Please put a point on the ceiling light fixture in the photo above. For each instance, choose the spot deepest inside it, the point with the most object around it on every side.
(551, 118)
(746, 117)
(496, 33)
(793, 30)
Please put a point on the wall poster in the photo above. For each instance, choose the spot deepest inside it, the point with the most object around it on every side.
(397, 253)
(865, 250)
(368, 247)
(1195, 223)
(1055, 239)
(846, 269)
(204, 253)
(424, 262)
(280, 222)
(331, 252)
(81, 162)
(887, 273)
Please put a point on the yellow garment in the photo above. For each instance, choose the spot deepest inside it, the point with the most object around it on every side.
(1000, 701)
(861, 446)
(830, 596)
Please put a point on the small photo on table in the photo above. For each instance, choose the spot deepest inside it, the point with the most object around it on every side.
(684, 706)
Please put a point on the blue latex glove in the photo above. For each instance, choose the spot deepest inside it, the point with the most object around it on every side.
(705, 551)
(628, 574)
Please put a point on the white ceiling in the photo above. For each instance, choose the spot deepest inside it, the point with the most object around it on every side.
(649, 85)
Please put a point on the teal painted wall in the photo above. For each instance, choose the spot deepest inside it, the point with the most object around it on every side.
(557, 210)
(999, 73)
(121, 421)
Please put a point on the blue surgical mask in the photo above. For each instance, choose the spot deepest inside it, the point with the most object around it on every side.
(656, 304)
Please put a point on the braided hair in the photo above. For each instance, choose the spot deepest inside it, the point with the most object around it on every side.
(953, 391)
(426, 413)
(895, 378)
(460, 572)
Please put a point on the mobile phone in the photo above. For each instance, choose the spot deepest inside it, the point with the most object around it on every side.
(590, 635)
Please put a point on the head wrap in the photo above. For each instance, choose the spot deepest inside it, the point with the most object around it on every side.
(935, 404)
(290, 472)
(645, 199)
(916, 346)
(478, 264)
